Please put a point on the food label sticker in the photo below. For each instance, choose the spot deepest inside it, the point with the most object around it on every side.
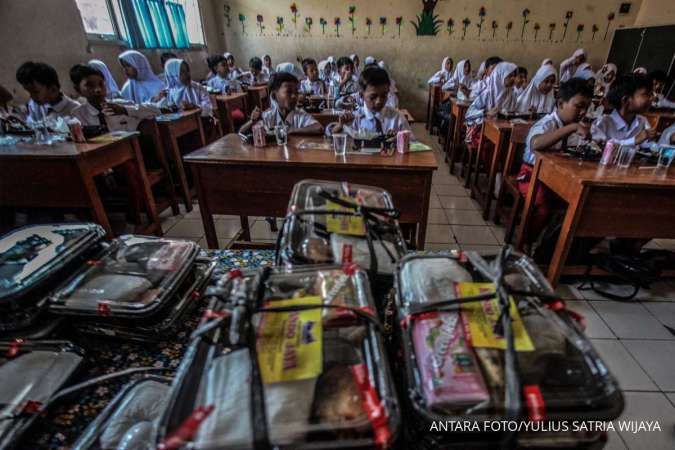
(480, 318)
(290, 343)
(344, 223)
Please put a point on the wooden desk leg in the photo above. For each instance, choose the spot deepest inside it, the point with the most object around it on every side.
(456, 142)
(422, 224)
(205, 211)
(146, 190)
(98, 214)
(245, 228)
(180, 168)
(468, 182)
(492, 175)
(528, 208)
(202, 136)
(562, 248)
(448, 150)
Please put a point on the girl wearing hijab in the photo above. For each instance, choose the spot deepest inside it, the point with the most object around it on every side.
(112, 91)
(461, 80)
(325, 71)
(484, 71)
(357, 64)
(287, 67)
(571, 64)
(604, 79)
(547, 62)
(267, 65)
(444, 74)
(184, 93)
(369, 60)
(142, 84)
(235, 72)
(538, 95)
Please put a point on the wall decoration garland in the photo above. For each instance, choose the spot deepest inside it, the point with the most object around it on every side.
(259, 21)
(428, 23)
(551, 29)
(481, 18)
(580, 29)
(226, 14)
(537, 27)
(568, 17)
(509, 27)
(352, 20)
(242, 19)
(610, 18)
(594, 29)
(280, 25)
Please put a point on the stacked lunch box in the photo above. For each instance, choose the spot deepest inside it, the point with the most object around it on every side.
(284, 359)
(487, 341)
(331, 223)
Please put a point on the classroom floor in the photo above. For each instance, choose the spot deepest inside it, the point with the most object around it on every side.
(636, 339)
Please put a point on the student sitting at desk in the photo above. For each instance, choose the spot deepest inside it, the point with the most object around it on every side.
(163, 59)
(659, 79)
(444, 74)
(41, 82)
(552, 132)
(347, 84)
(112, 91)
(221, 82)
(255, 75)
(267, 65)
(374, 115)
(480, 84)
(312, 84)
(183, 93)
(96, 114)
(233, 71)
(570, 65)
(538, 95)
(630, 96)
(142, 84)
(521, 81)
(283, 89)
(461, 80)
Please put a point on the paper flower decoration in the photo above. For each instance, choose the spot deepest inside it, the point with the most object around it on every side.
(465, 24)
(610, 18)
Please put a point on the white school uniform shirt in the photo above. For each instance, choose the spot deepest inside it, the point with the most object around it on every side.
(219, 84)
(178, 93)
(667, 134)
(62, 108)
(662, 102)
(296, 118)
(310, 87)
(612, 126)
(550, 122)
(494, 95)
(442, 75)
(248, 77)
(112, 90)
(88, 115)
(567, 67)
(390, 118)
(531, 97)
(356, 99)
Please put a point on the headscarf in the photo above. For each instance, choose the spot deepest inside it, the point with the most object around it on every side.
(532, 97)
(226, 55)
(369, 60)
(178, 92)
(481, 70)
(640, 71)
(112, 90)
(443, 63)
(547, 61)
(605, 70)
(146, 85)
(458, 76)
(353, 56)
(287, 67)
(265, 68)
(496, 94)
(566, 67)
(584, 67)
(584, 74)
(382, 65)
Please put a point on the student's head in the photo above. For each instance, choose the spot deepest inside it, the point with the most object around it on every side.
(521, 77)
(222, 69)
(230, 59)
(546, 85)
(659, 79)
(355, 59)
(374, 83)
(490, 64)
(631, 94)
(165, 56)
(267, 60)
(345, 66)
(89, 82)
(212, 62)
(255, 65)
(283, 87)
(310, 69)
(574, 98)
(467, 67)
(579, 56)
(40, 80)
(448, 63)
(184, 73)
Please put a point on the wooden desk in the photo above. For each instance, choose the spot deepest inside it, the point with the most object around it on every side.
(326, 116)
(257, 96)
(237, 179)
(62, 176)
(225, 105)
(496, 131)
(634, 203)
(660, 119)
(172, 127)
(454, 139)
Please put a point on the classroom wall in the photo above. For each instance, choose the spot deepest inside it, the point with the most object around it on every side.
(52, 31)
(656, 12)
(413, 58)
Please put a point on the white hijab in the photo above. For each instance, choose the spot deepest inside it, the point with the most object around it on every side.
(580, 72)
(369, 60)
(496, 94)
(640, 71)
(146, 85)
(547, 61)
(112, 90)
(458, 75)
(566, 67)
(287, 67)
(178, 92)
(481, 70)
(532, 96)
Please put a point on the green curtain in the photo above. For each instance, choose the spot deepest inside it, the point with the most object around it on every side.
(160, 20)
(155, 24)
(178, 24)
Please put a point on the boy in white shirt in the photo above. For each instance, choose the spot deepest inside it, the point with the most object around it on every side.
(41, 81)
(221, 82)
(659, 79)
(374, 115)
(283, 89)
(255, 76)
(97, 115)
(630, 95)
(312, 84)
(348, 85)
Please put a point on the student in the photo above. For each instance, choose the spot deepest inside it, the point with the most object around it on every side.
(480, 83)
(267, 65)
(357, 64)
(283, 88)
(163, 58)
(41, 82)
(112, 91)
(461, 80)
(659, 79)
(374, 115)
(211, 62)
(142, 84)
(333, 68)
(630, 96)
(570, 65)
(220, 82)
(538, 96)
(184, 94)
(96, 112)
(325, 71)
(255, 76)
(287, 67)
(583, 69)
(444, 74)
(312, 84)
(233, 71)
(552, 132)
(547, 62)
(604, 79)
(347, 84)
(521, 81)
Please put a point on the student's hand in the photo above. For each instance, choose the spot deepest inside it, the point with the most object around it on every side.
(160, 95)
(346, 117)
(186, 106)
(465, 90)
(493, 112)
(255, 114)
(113, 109)
(645, 135)
(583, 129)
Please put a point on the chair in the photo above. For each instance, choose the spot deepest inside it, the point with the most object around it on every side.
(433, 100)
(509, 184)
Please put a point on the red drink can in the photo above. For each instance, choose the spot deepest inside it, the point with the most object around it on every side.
(76, 132)
(608, 153)
(403, 141)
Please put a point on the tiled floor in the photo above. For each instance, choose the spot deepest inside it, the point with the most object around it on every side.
(636, 339)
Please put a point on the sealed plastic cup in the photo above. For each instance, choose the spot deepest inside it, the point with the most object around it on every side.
(281, 134)
(625, 156)
(666, 155)
(340, 144)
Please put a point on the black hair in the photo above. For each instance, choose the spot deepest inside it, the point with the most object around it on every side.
(37, 72)
(213, 60)
(165, 56)
(279, 78)
(81, 71)
(574, 86)
(344, 61)
(627, 85)
(522, 70)
(255, 63)
(492, 61)
(306, 63)
(659, 75)
(373, 75)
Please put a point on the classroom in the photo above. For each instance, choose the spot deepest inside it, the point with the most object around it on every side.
(397, 224)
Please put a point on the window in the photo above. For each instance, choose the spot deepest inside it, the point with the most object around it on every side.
(144, 23)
